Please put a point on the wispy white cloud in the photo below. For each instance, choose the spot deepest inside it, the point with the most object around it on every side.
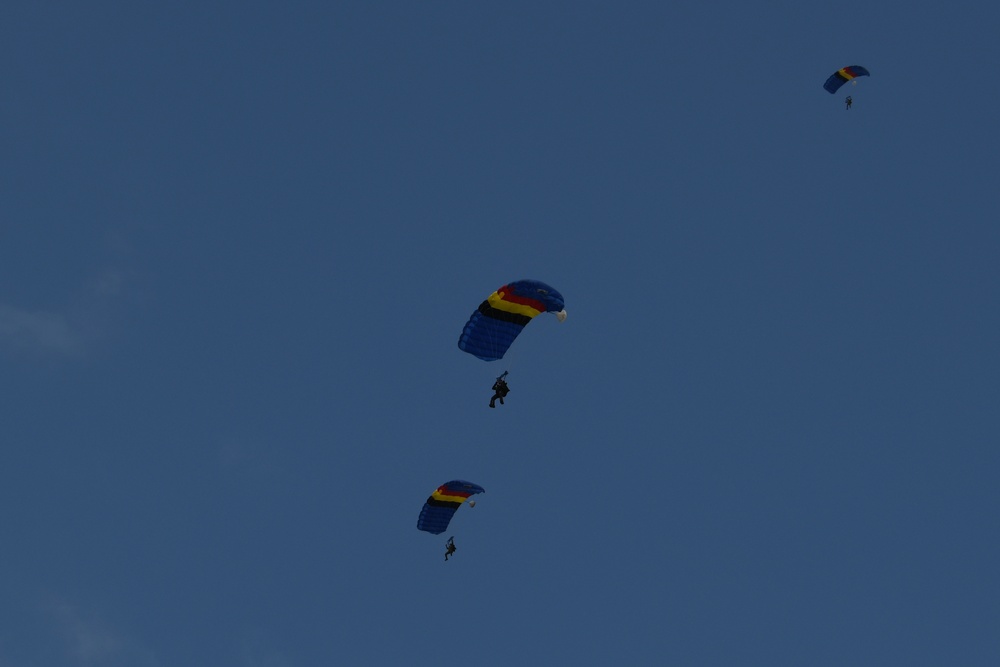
(90, 640)
(255, 654)
(110, 283)
(68, 331)
(38, 330)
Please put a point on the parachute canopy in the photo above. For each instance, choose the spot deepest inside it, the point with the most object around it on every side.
(443, 503)
(499, 319)
(842, 76)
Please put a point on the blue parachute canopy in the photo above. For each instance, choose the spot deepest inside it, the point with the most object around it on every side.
(443, 503)
(842, 76)
(503, 315)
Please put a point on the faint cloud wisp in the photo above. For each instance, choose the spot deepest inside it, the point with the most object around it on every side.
(40, 331)
(66, 332)
(91, 641)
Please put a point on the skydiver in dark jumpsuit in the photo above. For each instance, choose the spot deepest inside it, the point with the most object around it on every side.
(449, 548)
(500, 389)
(848, 102)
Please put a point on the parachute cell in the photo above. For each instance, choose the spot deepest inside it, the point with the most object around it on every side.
(842, 76)
(501, 317)
(443, 503)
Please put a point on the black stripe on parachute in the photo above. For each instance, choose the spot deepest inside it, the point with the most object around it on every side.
(489, 311)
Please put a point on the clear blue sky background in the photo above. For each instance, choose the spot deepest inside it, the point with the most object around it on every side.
(239, 240)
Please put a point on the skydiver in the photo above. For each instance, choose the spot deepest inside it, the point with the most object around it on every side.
(848, 102)
(449, 548)
(500, 389)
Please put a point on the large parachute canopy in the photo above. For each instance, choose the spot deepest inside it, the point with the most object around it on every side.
(443, 503)
(842, 76)
(499, 319)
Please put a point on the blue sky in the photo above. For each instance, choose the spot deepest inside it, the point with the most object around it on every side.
(238, 242)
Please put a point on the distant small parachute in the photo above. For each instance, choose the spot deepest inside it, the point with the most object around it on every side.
(443, 503)
(501, 317)
(842, 76)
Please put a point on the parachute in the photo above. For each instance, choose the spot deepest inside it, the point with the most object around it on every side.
(496, 323)
(842, 76)
(443, 503)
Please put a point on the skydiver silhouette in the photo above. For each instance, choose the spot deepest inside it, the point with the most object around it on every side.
(449, 548)
(500, 389)
(849, 102)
